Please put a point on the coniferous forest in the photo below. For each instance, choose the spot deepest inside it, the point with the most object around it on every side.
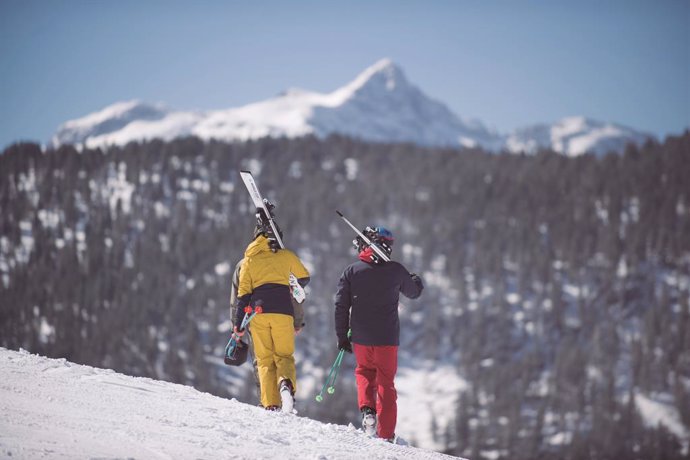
(557, 288)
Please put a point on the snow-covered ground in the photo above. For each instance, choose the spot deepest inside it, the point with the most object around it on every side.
(659, 410)
(425, 393)
(51, 408)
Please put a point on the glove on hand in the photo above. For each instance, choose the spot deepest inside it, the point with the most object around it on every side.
(345, 344)
(417, 280)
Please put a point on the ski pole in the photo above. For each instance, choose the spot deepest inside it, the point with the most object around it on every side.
(330, 380)
(329, 384)
(331, 388)
(248, 316)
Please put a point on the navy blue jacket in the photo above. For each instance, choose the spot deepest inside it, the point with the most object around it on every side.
(372, 292)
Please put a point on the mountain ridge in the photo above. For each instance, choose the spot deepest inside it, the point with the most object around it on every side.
(380, 105)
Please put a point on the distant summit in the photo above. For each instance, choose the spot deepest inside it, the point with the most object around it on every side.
(379, 105)
(574, 136)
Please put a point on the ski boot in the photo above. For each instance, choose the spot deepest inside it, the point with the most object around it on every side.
(287, 396)
(368, 421)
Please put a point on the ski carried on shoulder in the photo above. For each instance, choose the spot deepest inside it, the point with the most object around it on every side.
(265, 216)
(261, 203)
(379, 252)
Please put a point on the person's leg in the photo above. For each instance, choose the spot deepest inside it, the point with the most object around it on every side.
(386, 359)
(255, 367)
(365, 375)
(263, 346)
(283, 335)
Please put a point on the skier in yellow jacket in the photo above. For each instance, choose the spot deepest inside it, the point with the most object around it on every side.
(264, 281)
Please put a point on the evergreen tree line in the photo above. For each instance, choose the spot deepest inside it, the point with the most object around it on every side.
(557, 287)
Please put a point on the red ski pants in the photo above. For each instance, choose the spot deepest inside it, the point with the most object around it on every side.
(375, 374)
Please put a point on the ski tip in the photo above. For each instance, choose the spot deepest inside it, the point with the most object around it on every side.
(339, 213)
(242, 171)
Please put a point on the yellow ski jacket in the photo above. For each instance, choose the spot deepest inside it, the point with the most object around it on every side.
(264, 278)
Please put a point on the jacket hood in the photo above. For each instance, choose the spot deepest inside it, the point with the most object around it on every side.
(259, 245)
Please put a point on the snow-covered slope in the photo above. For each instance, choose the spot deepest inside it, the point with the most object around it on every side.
(379, 105)
(575, 136)
(52, 408)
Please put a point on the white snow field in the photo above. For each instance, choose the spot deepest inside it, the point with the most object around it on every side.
(51, 408)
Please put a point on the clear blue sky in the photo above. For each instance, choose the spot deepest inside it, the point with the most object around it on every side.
(507, 63)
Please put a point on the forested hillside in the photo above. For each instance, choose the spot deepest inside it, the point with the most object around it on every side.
(558, 288)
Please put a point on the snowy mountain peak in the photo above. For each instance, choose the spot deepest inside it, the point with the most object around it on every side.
(383, 75)
(575, 135)
(379, 105)
(109, 119)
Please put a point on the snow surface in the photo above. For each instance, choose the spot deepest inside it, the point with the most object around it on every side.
(659, 410)
(51, 408)
(427, 392)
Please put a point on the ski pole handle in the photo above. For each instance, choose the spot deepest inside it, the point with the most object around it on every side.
(234, 338)
(249, 315)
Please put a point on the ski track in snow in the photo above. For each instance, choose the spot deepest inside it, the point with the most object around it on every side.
(51, 408)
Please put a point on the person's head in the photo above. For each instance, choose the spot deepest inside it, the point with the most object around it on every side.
(380, 236)
(258, 230)
(263, 226)
(263, 230)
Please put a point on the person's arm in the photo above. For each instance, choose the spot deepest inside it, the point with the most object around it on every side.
(342, 307)
(411, 285)
(244, 291)
(233, 291)
(298, 269)
(299, 315)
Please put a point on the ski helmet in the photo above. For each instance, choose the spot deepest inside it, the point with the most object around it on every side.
(380, 236)
(263, 226)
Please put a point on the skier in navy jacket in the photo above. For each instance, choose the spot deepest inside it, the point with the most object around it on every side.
(367, 303)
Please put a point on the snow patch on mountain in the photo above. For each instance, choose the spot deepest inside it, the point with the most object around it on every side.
(658, 409)
(107, 121)
(56, 409)
(574, 136)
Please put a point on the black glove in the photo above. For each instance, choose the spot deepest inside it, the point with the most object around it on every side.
(417, 280)
(345, 344)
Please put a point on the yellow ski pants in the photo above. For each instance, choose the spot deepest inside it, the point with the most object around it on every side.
(274, 345)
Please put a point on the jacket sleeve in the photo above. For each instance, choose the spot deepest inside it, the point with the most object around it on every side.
(298, 269)
(299, 313)
(244, 290)
(233, 291)
(411, 285)
(342, 307)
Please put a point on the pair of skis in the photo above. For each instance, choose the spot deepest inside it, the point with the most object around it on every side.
(264, 208)
(262, 204)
